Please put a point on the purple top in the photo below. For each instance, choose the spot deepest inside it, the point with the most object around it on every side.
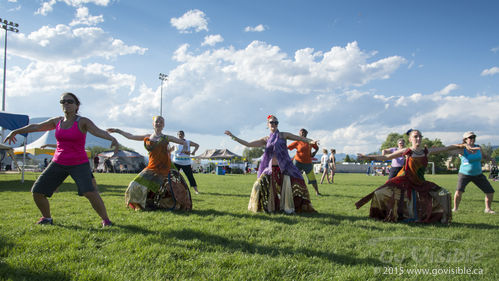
(399, 161)
(276, 147)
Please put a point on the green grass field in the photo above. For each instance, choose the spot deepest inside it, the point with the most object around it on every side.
(221, 240)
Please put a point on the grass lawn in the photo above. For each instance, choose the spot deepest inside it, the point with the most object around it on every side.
(221, 240)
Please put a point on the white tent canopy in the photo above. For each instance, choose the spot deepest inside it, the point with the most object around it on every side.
(35, 148)
(218, 154)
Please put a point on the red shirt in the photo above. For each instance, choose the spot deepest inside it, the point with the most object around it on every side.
(303, 151)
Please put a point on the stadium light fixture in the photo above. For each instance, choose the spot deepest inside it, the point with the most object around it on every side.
(162, 77)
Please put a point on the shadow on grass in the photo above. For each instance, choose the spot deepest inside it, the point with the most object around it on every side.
(324, 218)
(261, 216)
(223, 194)
(213, 243)
(8, 272)
(451, 225)
(472, 225)
(17, 186)
(116, 228)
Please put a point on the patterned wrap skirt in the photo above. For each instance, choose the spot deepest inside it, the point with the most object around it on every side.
(150, 191)
(279, 192)
(392, 203)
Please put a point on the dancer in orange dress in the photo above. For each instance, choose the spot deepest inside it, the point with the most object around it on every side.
(157, 186)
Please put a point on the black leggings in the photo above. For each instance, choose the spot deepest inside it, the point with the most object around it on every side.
(188, 172)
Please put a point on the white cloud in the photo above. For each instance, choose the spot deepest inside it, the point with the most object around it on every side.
(211, 40)
(44, 77)
(495, 49)
(62, 42)
(48, 6)
(258, 28)
(229, 87)
(193, 19)
(446, 90)
(84, 18)
(491, 71)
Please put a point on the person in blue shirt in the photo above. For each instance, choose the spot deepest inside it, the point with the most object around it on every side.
(471, 171)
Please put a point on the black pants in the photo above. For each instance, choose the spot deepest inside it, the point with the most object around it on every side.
(188, 172)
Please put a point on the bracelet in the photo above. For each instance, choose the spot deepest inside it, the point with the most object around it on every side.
(233, 138)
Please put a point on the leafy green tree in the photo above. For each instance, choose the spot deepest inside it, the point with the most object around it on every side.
(348, 159)
(456, 161)
(94, 150)
(391, 140)
(495, 154)
(439, 159)
(486, 152)
(251, 153)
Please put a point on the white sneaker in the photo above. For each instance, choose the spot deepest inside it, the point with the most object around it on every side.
(489, 211)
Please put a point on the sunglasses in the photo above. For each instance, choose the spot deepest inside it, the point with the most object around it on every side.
(472, 137)
(67, 101)
(274, 122)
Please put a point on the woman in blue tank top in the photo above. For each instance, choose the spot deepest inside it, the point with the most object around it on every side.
(471, 171)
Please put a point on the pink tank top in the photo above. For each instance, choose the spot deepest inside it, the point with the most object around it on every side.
(70, 145)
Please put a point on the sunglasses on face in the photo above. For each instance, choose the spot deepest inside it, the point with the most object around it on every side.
(472, 137)
(67, 101)
(274, 122)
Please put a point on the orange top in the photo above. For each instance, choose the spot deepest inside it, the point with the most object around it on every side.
(303, 151)
(159, 156)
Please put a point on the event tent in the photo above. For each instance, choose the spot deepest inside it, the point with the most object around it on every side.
(8, 151)
(123, 161)
(217, 154)
(35, 148)
(11, 122)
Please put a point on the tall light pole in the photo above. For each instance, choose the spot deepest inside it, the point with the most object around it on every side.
(162, 77)
(8, 26)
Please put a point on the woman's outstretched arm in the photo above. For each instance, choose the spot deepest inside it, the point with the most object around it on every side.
(385, 157)
(290, 136)
(451, 147)
(257, 143)
(98, 132)
(126, 134)
(47, 125)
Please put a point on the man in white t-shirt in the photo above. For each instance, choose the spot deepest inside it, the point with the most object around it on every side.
(182, 159)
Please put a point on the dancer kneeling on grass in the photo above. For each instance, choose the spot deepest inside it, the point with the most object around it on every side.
(280, 185)
(157, 186)
(408, 196)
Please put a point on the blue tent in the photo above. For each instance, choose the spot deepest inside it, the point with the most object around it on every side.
(11, 122)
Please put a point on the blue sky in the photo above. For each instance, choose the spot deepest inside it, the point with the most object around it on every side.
(349, 71)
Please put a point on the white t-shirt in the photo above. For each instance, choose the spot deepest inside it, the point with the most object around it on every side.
(324, 159)
(181, 158)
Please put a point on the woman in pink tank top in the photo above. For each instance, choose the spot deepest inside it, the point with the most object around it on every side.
(70, 158)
